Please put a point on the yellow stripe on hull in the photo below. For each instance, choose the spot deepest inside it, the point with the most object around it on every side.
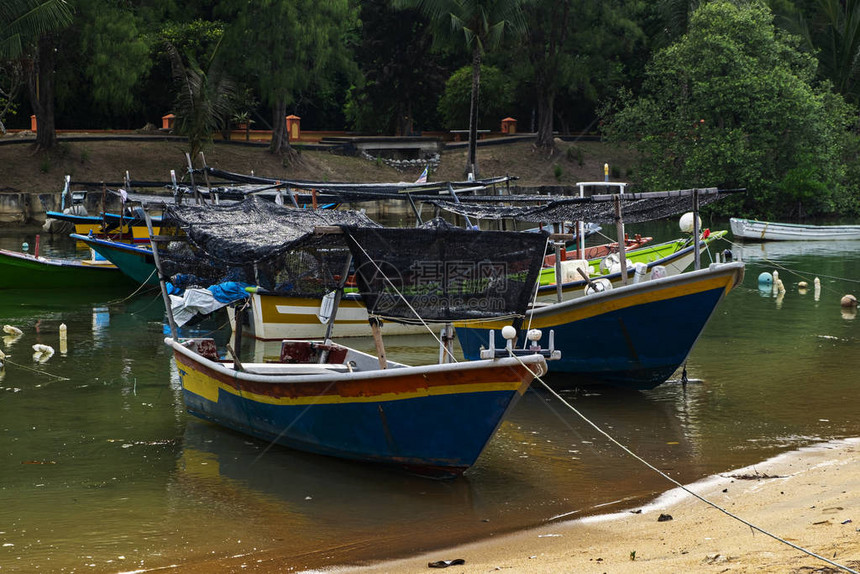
(541, 320)
(209, 388)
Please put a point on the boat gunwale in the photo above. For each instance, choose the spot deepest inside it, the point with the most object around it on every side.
(398, 370)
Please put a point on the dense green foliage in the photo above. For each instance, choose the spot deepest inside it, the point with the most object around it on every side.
(733, 104)
(455, 101)
(758, 94)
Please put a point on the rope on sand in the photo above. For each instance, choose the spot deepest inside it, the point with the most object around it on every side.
(681, 486)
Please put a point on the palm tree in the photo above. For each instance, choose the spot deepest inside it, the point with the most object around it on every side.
(22, 22)
(205, 99)
(25, 40)
(835, 33)
(482, 24)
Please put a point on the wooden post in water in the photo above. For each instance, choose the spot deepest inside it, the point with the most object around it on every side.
(377, 340)
(622, 245)
(174, 332)
(191, 175)
(212, 197)
(558, 278)
(696, 230)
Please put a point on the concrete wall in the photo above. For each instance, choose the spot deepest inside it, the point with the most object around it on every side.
(19, 208)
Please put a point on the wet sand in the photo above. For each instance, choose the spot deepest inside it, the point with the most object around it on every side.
(809, 498)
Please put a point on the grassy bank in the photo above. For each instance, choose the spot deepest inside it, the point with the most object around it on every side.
(97, 160)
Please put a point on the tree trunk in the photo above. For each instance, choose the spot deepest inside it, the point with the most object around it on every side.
(472, 161)
(40, 84)
(546, 104)
(280, 139)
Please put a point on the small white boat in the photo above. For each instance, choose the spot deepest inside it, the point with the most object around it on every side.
(771, 231)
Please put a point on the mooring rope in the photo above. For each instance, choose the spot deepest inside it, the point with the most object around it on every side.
(136, 291)
(678, 484)
(20, 366)
(800, 274)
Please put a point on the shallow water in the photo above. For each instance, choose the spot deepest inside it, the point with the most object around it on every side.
(101, 470)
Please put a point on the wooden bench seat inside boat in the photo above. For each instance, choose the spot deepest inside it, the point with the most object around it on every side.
(290, 369)
(305, 352)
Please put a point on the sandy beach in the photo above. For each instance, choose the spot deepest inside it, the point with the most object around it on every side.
(809, 498)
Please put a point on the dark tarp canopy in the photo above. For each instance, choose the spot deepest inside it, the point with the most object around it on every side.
(635, 207)
(443, 273)
(257, 242)
(437, 272)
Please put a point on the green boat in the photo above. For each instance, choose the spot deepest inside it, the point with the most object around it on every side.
(674, 256)
(25, 271)
(134, 261)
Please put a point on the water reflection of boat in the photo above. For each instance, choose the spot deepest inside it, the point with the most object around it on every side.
(546, 463)
(320, 511)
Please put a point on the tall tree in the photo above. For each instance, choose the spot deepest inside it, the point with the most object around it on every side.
(289, 46)
(574, 50)
(401, 78)
(734, 103)
(482, 24)
(22, 22)
(111, 56)
(26, 35)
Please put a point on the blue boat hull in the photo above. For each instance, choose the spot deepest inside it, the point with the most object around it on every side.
(434, 420)
(633, 337)
(389, 433)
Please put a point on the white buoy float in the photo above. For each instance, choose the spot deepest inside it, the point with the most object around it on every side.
(64, 346)
(849, 301)
(686, 222)
(10, 330)
(12, 335)
(41, 353)
(817, 284)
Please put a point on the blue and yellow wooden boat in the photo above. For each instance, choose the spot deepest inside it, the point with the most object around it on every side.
(634, 336)
(112, 226)
(337, 401)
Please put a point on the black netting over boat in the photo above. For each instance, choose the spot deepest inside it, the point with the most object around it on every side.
(444, 273)
(259, 243)
(635, 207)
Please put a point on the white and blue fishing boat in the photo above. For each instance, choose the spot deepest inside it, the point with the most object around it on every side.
(774, 231)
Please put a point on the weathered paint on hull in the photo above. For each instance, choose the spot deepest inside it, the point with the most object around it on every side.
(633, 337)
(435, 423)
(19, 271)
